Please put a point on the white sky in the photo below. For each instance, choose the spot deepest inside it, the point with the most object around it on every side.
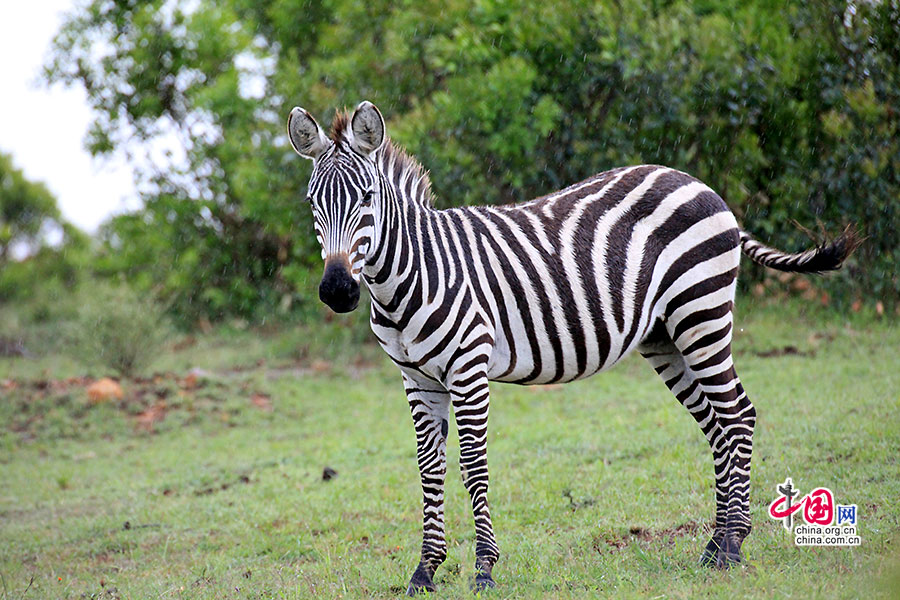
(44, 128)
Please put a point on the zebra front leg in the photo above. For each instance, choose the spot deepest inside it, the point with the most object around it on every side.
(429, 404)
(471, 398)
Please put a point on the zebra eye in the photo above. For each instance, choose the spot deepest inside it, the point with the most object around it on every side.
(367, 198)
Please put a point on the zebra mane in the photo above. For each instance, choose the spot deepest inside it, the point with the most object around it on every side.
(340, 125)
(409, 177)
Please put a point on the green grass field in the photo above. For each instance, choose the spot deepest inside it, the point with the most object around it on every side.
(213, 488)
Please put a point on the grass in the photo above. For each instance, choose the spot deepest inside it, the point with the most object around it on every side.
(211, 486)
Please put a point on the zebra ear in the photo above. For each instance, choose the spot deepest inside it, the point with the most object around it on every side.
(307, 138)
(367, 127)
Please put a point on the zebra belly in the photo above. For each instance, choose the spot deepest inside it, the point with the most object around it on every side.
(497, 371)
(562, 366)
(562, 328)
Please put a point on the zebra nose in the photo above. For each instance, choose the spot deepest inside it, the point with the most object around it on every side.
(338, 289)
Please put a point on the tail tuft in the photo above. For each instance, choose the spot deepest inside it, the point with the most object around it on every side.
(827, 257)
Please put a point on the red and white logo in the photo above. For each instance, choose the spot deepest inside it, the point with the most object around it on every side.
(826, 523)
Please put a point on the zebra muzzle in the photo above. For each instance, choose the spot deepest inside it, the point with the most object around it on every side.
(338, 289)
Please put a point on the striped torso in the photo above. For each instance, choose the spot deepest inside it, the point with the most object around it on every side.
(557, 288)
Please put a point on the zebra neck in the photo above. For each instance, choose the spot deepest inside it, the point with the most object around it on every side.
(392, 273)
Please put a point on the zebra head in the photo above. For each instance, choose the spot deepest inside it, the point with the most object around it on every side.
(342, 187)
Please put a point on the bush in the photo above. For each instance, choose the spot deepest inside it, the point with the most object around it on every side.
(118, 328)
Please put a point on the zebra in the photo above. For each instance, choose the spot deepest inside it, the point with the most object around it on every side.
(548, 291)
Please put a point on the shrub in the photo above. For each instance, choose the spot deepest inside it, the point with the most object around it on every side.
(118, 328)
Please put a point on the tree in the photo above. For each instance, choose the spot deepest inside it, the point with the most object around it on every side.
(789, 110)
(27, 210)
(44, 274)
(217, 231)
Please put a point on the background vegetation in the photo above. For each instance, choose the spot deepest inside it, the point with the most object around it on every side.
(790, 110)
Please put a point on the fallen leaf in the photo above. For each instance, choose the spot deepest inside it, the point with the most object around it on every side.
(153, 415)
(190, 382)
(261, 401)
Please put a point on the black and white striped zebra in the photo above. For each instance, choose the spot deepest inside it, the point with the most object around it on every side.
(556, 289)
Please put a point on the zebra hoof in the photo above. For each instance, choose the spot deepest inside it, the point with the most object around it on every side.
(730, 556)
(483, 581)
(417, 589)
(420, 583)
(726, 560)
(722, 554)
(709, 558)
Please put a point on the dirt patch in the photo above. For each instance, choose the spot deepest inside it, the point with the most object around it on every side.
(67, 407)
(212, 489)
(147, 420)
(262, 402)
(783, 351)
(611, 542)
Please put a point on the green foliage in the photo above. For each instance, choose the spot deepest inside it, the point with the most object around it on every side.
(789, 110)
(118, 328)
(27, 209)
(33, 273)
(43, 280)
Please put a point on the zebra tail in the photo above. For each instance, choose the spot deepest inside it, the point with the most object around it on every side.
(828, 256)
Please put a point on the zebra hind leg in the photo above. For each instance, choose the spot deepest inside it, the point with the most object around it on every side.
(705, 346)
(738, 419)
(668, 362)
